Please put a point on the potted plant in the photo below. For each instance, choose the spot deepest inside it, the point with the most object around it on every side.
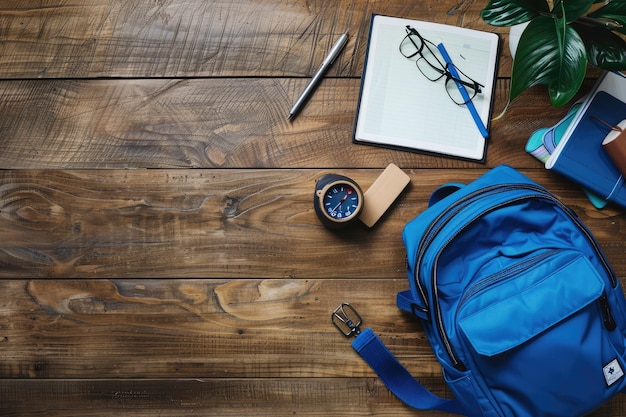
(560, 40)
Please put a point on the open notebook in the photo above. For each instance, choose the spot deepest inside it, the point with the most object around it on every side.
(400, 108)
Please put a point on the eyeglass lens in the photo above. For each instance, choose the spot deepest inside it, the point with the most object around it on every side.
(454, 92)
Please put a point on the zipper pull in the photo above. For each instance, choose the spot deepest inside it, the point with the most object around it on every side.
(607, 317)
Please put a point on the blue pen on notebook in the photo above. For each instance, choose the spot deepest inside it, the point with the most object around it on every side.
(463, 91)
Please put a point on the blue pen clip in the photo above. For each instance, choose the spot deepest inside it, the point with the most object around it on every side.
(463, 91)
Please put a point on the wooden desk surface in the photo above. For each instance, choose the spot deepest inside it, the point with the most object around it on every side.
(160, 254)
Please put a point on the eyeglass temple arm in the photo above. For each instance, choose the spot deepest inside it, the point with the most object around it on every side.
(474, 84)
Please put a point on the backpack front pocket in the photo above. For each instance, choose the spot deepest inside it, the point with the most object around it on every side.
(541, 338)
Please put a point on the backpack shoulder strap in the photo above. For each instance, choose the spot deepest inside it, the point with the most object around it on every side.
(397, 378)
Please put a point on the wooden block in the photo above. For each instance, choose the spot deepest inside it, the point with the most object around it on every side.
(379, 197)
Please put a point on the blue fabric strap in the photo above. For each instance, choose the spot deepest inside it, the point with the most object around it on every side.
(404, 301)
(397, 378)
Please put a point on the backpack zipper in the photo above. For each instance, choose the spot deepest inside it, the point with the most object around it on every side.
(440, 221)
(504, 274)
(607, 317)
(435, 227)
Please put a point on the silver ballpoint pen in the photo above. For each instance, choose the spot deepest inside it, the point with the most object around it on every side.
(330, 58)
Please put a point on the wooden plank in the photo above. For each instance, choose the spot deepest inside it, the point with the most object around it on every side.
(202, 396)
(130, 329)
(220, 223)
(134, 38)
(219, 123)
(198, 328)
(324, 397)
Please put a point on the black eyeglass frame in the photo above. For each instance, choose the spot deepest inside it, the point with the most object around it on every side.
(439, 67)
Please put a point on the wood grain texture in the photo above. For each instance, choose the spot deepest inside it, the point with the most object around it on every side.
(166, 38)
(224, 397)
(219, 123)
(188, 347)
(238, 328)
(220, 223)
(159, 252)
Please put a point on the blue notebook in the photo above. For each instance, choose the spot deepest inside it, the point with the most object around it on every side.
(543, 142)
(581, 157)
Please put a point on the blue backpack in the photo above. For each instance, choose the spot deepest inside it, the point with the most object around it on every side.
(519, 304)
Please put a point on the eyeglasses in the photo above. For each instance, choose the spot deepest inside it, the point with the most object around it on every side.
(431, 65)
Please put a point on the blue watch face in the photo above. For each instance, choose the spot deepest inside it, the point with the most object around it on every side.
(341, 201)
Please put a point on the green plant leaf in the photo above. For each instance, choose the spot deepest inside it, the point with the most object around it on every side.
(605, 49)
(571, 10)
(613, 10)
(512, 12)
(550, 53)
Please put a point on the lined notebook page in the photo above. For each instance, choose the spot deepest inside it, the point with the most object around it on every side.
(399, 107)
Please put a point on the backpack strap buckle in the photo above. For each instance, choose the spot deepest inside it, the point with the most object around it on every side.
(347, 320)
